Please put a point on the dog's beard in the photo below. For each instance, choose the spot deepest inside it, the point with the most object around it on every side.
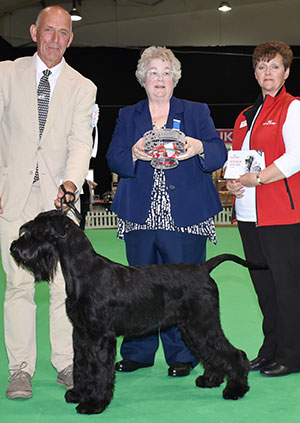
(40, 260)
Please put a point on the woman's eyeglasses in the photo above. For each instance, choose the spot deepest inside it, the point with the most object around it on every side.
(153, 74)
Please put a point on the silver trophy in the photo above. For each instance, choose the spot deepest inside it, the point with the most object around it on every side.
(164, 145)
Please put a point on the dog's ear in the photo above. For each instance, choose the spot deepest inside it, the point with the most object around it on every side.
(61, 225)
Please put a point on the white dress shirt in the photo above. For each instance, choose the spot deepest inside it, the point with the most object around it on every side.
(40, 66)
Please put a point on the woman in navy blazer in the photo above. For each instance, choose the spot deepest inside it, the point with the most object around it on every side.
(165, 216)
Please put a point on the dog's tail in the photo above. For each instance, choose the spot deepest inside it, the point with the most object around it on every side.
(215, 261)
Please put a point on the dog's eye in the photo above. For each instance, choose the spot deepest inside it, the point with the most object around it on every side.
(25, 234)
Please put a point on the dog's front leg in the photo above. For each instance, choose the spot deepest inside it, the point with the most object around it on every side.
(99, 383)
(80, 343)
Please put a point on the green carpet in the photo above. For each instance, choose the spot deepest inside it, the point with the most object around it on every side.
(149, 395)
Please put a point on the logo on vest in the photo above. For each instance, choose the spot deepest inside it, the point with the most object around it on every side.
(270, 122)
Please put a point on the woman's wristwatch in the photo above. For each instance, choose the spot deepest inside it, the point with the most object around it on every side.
(258, 180)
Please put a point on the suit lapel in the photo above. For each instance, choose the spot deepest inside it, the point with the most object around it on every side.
(142, 118)
(176, 112)
(29, 90)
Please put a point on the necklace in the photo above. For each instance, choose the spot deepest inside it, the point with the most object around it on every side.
(154, 126)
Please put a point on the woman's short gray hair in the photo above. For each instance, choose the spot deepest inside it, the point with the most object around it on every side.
(157, 52)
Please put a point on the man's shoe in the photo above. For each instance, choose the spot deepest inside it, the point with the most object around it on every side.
(259, 363)
(20, 384)
(278, 370)
(126, 365)
(180, 369)
(65, 377)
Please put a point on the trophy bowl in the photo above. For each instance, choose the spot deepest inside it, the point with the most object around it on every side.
(164, 145)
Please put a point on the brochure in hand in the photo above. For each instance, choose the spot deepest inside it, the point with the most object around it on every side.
(244, 161)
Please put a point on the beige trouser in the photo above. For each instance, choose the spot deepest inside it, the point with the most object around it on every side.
(20, 307)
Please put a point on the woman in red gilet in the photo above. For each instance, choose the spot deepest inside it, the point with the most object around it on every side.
(267, 208)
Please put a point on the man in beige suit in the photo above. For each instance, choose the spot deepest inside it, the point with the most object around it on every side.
(33, 164)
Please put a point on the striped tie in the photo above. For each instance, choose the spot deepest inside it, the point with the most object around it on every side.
(43, 97)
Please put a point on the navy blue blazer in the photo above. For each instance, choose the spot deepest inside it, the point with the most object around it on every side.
(192, 193)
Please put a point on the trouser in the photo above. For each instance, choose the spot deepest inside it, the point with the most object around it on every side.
(277, 288)
(20, 307)
(157, 247)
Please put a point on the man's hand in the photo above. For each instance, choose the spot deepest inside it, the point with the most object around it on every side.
(69, 186)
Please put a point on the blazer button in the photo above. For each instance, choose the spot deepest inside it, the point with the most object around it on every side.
(172, 187)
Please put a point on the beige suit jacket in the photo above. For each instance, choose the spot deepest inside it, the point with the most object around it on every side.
(64, 150)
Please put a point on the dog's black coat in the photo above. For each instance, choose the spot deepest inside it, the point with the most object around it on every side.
(106, 299)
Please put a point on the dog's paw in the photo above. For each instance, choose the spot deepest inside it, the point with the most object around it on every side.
(209, 382)
(91, 407)
(72, 396)
(234, 392)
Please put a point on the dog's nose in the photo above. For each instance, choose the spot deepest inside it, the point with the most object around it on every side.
(13, 248)
(15, 251)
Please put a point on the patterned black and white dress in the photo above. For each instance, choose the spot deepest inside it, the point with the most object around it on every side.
(160, 214)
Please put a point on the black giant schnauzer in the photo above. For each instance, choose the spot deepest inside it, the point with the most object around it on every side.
(106, 300)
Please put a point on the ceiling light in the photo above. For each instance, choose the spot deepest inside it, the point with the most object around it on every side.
(75, 15)
(224, 7)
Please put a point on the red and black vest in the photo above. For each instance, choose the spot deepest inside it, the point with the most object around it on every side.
(277, 203)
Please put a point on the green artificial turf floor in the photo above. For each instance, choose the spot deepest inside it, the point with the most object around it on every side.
(149, 395)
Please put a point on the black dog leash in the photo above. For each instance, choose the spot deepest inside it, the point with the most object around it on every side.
(70, 203)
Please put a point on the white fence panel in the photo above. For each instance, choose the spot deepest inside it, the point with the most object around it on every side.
(106, 219)
(101, 219)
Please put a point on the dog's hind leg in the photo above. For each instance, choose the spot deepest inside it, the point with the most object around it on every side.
(213, 376)
(99, 382)
(237, 375)
(222, 357)
(204, 337)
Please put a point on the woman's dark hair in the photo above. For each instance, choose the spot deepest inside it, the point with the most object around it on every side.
(267, 51)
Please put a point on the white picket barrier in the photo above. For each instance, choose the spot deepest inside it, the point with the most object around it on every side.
(224, 217)
(101, 219)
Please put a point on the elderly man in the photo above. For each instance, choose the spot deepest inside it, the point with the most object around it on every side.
(45, 140)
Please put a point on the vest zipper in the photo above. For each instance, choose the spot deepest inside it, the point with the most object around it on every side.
(289, 193)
